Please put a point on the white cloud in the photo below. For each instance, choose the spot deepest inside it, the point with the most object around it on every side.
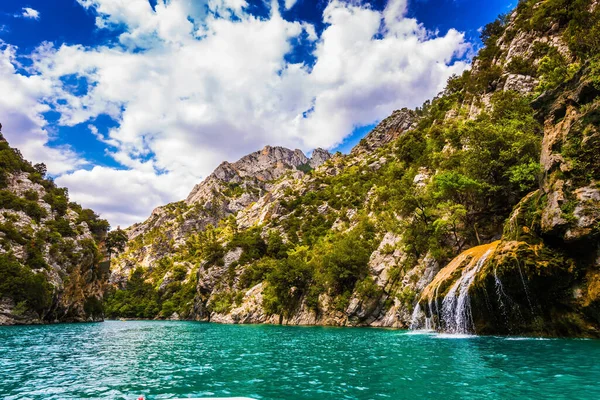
(30, 13)
(21, 112)
(289, 4)
(209, 82)
(125, 197)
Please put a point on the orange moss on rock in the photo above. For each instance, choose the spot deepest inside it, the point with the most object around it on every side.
(467, 259)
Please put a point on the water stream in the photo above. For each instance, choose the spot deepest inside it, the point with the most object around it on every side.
(456, 315)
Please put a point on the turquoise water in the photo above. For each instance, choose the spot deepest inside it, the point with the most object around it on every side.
(161, 360)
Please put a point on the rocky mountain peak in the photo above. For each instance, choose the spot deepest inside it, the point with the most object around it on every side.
(319, 157)
(231, 187)
(389, 129)
(268, 164)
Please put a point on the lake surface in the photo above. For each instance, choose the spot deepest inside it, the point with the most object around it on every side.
(162, 360)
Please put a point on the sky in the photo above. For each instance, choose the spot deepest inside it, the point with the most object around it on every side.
(130, 103)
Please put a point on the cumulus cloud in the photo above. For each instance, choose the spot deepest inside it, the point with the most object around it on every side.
(289, 4)
(191, 85)
(21, 113)
(125, 197)
(30, 13)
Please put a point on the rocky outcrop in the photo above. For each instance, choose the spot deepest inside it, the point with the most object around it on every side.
(269, 164)
(569, 159)
(387, 130)
(51, 268)
(229, 189)
(520, 83)
(516, 288)
(542, 278)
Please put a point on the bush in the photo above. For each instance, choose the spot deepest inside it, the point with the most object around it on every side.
(344, 260)
(287, 283)
(58, 200)
(61, 226)
(306, 168)
(31, 195)
(98, 226)
(11, 201)
(253, 245)
(34, 254)
(22, 285)
(257, 272)
(521, 66)
(367, 289)
(221, 302)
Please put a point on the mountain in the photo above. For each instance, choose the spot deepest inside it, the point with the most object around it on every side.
(230, 188)
(51, 266)
(478, 212)
(542, 276)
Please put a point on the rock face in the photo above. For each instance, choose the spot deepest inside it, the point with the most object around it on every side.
(520, 83)
(571, 140)
(407, 230)
(542, 278)
(389, 129)
(50, 264)
(231, 188)
(269, 164)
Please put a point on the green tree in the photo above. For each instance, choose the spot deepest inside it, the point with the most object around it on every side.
(115, 242)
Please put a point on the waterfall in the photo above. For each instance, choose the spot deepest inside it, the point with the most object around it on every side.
(415, 323)
(456, 306)
(420, 321)
(429, 325)
(499, 290)
(429, 321)
(502, 295)
(525, 287)
(454, 315)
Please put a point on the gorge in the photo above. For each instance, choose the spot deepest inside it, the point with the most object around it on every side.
(478, 213)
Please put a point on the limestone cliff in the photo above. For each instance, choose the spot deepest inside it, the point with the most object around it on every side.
(477, 212)
(50, 263)
(230, 188)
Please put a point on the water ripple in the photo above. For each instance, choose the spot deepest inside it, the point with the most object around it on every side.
(166, 360)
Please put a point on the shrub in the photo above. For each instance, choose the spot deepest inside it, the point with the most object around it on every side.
(31, 195)
(10, 200)
(22, 285)
(522, 66)
(61, 226)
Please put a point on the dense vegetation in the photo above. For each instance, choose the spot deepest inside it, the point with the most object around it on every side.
(490, 164)
(442, 187)
(38, 220)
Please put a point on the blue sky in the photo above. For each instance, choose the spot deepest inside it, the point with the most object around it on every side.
(147, 97)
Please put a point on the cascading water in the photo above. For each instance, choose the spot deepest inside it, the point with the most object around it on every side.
(499, 291)
(456, 310)
(500, 294)
(455, 314)
(420, 321)
(429, 321)
(416, 317)
(525, 288)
